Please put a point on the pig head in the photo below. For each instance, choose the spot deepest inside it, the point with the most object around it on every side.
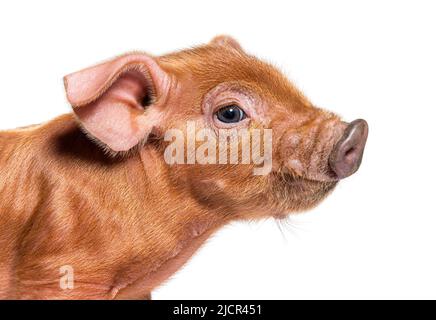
(152, 184)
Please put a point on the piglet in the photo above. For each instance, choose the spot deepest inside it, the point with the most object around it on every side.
(158, 153)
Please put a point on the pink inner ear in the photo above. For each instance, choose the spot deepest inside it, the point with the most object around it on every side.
(107, 98)
(87, 85)
(117, 118)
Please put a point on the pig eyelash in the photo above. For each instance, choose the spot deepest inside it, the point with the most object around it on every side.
(227, 104)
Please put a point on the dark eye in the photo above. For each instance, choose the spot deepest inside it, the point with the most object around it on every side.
(230, 114)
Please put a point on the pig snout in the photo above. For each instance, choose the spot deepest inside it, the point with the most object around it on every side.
(347, 153)
(327, 150)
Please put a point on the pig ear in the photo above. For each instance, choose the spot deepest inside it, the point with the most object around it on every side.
(227, 41)
(109, 99)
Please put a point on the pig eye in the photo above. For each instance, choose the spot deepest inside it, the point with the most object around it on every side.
(230, 114)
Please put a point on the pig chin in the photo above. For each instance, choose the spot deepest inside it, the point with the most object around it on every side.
(303, 186)
(294, 194)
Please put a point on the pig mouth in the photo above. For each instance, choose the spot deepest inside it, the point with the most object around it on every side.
(306, 184)
(294, 193)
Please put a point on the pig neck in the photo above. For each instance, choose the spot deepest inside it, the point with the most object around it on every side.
(175, 226)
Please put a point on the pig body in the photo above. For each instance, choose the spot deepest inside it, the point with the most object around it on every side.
(90, 207)
(65, 203)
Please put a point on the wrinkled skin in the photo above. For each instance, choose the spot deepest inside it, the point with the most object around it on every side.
(91, 190)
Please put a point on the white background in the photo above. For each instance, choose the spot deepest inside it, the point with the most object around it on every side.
(375, 236)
